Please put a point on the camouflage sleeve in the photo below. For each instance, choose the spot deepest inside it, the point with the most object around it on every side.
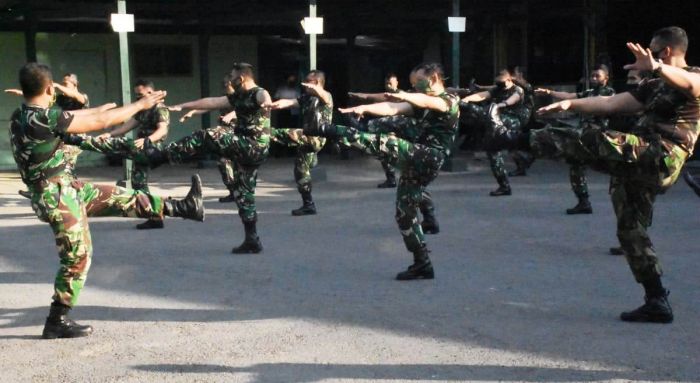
(607, 91)
(231, 99)
(54, 119)
(645, 90)
(162, 115)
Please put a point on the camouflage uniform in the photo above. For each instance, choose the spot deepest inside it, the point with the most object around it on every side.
(407, 128)
(247, 146)
(148, 121)
(646, 161)
(513, 117)
(523, 160)
(577, 171)
(307, 146)
(62, 200)
(225, 165)
(419, 161)
(68, 103)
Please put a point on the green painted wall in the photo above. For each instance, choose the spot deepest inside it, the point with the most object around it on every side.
(95, 59)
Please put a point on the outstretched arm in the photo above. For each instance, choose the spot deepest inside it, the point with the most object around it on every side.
(381, 109)
(477, 97)
(284, 103)
(207, 103)
(319, 92)
(98, 109)
(72, 93)
(98, 121)
(556, 94)
(374, 97)
(623, 103)
(420, 100)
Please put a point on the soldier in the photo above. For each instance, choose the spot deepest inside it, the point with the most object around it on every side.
(577, 172)
(507, 109)
(391, 85)
(647, 160)
(65, 202)
(247, 147)
(316, 104)
(151, 124)
(419, 161)
(227, 122)
(523, 160)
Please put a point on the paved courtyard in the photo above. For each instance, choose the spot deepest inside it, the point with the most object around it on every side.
(522, 291)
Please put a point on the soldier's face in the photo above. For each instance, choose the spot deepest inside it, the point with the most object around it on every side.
(69, 83)
(598, 78)
(141, 91)
(633, 77)
(310, 80)
(392, 83)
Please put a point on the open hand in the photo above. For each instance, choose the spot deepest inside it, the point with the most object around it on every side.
(186, 116)
(139, 143)
(542, 91)
(356, 110)
(16, 92)
(557, 107)
(150, 100)
(645, 58)
(175, 108)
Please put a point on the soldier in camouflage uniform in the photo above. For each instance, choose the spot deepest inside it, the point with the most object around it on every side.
(523, 160)
(391, 85)
(247, 146)
(419, 161)
(63, 201)
(647, 160)
(151, 124)
(316, 104)
(507, 109)
(227, 123)
(577, 171)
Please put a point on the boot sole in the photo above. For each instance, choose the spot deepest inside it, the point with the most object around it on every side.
(647, 319)
(419, 277)
(579, 212)
(302, 214)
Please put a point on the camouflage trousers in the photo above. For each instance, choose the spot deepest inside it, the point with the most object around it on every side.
(419, 165)
(403, 126)
(577, 178)
(642, 168)
(246, 154)
(306, 157)
(477, 115)
(123, 146)
(66, 203)
(226, 170)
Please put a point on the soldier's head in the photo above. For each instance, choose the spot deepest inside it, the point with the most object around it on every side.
(668, 44)
(241, 73)
(391, 82)
(228, 84)
(316, 77)
(634, 77)
(600, 76)
(143, 88)
(516, 72)
(36, 81)
(430, 78)
(503, 80)
(70, 80)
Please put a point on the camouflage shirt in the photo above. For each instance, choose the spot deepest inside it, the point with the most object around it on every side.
(307, 105)
(67, 103)
(36, 146)
(149, 119)
(501, 95)
(438, 129)
(668, 113)
(251, 119)
(595, 92)
(528, 92)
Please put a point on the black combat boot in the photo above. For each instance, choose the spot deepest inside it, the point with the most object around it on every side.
(25, 194)
(251, 243)
(388, 184)
(656, 307)
(617, 251)
(231, 197)
(324, 129)
(583, 207)
(151, 224)
(518, 172)
(58, 325)
(420, 269)
(503, 188)
(430, 224)
(307, 208)
(191, 207)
